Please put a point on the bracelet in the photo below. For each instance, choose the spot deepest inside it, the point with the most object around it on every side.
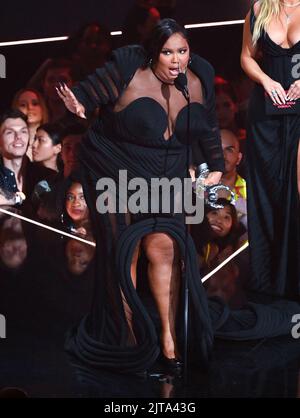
(19, 198)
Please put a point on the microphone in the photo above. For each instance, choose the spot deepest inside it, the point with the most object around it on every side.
(181, 84)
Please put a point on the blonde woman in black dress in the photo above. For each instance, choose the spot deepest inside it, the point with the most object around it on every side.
(272, 31)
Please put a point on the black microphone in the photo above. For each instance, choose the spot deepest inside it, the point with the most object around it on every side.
(181, 84)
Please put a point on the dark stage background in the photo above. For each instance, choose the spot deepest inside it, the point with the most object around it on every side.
(38, 19)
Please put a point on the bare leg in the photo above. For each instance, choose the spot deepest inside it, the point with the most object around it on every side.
(164, 280)
(128, 312)
(134, 262)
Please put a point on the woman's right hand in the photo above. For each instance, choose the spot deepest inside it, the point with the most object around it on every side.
(274, 90)
(70, 101)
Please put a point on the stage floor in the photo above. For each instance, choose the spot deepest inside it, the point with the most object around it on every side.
(42, 295)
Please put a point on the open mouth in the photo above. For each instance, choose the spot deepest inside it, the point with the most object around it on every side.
(216, 228)
(174, 71)
(77, 212)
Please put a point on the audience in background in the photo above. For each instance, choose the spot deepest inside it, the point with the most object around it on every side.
(76, 210)
(139, 23)
(46, 147)
(32, 104)
(88, 49)
(71, 141)
(219, 235)
(47, 77)
(17, 173)
(227, 107)
(79, 256)
(13, 243)
(231, 178)
(243, 87)
(227, 284)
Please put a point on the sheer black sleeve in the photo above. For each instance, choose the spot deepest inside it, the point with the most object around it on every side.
(106, 84)
(208, 148)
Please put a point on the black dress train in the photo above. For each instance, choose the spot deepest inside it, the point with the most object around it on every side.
(119, 334)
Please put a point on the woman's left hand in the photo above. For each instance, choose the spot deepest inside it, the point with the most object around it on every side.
(213, 178)
(294, 91)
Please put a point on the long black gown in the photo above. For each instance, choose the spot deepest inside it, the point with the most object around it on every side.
(119, 334)
(273, 200)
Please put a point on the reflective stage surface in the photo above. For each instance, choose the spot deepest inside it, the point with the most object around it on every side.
(46, 286)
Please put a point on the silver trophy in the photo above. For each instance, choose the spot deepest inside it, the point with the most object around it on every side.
(211, 192)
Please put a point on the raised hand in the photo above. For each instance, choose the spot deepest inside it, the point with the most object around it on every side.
(213, 178)
(70, 101)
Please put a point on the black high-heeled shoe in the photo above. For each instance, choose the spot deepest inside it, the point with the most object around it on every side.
(172, 365)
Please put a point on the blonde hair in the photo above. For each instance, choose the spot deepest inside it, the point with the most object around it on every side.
(45, 117)
(268, 9)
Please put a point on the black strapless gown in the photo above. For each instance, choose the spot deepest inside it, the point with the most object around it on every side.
(132, 139)
(273, 200)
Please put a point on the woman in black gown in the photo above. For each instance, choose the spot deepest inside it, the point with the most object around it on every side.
(142, 129)
(273, 146)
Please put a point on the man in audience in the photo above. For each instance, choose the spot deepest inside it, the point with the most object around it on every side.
(70, 147)
(231, 178)
(18, 175)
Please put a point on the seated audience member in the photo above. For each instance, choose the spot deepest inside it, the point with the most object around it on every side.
(51, 203)
(243, 86)
(79, 256)
(46, 147)
(89, 48)
(71, 141)
(52, 72)
(227, 108)
(231, 178)
(227, 284)
(219, 235)
(76, 213)
(65, 207)
(32, 104)
(18, 175)
(13, 243)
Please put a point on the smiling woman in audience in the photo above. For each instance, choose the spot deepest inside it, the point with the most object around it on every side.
(32, 104)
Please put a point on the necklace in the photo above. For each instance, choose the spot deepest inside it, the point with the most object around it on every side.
(162, 81)
(290, 5)
(288, 16)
